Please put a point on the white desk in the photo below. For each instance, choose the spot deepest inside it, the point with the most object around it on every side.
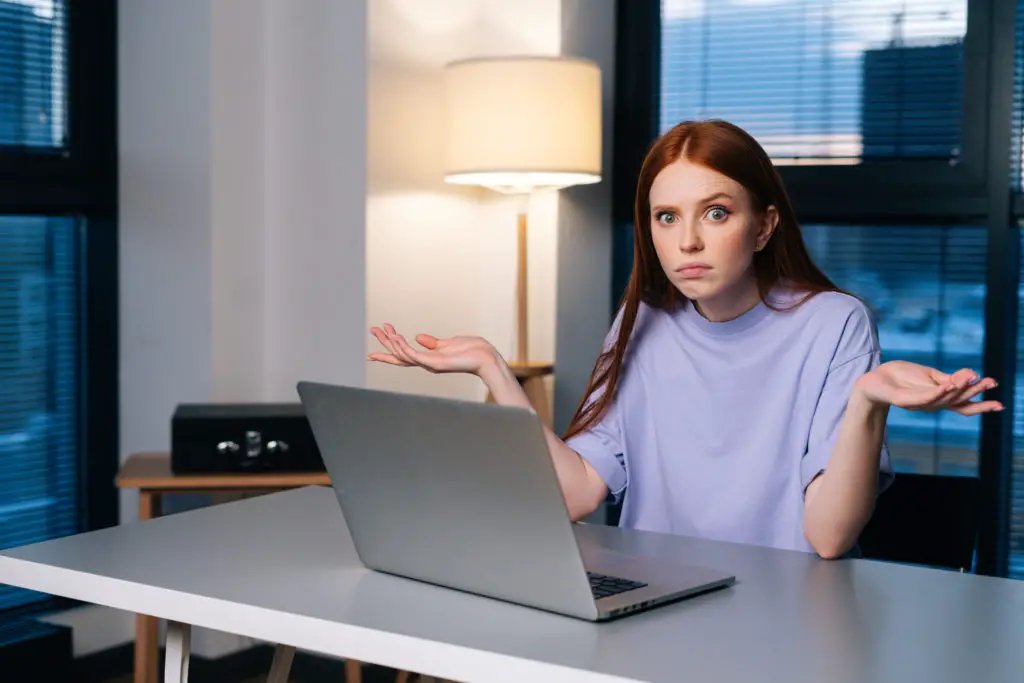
(281, 568)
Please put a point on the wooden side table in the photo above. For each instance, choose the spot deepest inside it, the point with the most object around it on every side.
(531, 379)
(151, 474)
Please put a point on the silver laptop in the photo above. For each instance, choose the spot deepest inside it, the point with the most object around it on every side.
(464, 495)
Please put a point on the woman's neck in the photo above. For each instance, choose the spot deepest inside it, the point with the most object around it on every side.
(730, 304)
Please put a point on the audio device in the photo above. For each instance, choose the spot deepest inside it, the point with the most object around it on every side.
(242, 437)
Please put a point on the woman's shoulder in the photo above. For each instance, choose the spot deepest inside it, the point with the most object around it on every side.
(837, 318)
(831, 307)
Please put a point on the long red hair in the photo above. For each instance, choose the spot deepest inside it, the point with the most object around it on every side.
(731, 151)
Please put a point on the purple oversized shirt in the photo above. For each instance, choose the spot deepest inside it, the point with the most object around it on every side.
(717, 428)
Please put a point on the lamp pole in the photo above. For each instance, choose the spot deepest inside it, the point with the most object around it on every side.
(522, 289)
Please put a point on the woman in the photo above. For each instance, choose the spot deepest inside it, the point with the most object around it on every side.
(740, 394)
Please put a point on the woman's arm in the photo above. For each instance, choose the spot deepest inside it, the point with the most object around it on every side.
(582, 488)
(839, 501)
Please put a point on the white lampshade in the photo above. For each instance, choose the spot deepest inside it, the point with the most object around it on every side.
(517, 124)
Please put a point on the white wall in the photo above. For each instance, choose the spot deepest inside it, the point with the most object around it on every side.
(442, 259)
(281, 191)
(242, 149)
(243, 187)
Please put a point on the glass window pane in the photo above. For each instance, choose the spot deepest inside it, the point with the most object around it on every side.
(820, 81)
(1017, 490)
(33, 73)
(926, 286)
(39, 383)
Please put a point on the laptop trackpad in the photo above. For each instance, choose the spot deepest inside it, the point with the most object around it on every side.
(650, 570)
(614, 563)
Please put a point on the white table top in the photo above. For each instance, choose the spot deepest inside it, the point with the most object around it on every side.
(281, 568)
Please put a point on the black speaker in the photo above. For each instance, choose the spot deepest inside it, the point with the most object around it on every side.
(242, 437)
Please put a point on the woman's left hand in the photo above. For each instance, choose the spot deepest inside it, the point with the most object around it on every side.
(918, 387)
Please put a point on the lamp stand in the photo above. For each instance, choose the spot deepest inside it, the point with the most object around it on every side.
(529, 375)
(522, 329)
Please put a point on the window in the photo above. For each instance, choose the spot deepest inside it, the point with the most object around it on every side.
(888, 121)
(58, 295)
(926, 288)
(1016, 568)
(820, 81)
(39, 403)
(33, 74)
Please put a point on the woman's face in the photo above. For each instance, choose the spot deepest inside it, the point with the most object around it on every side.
(705, 231)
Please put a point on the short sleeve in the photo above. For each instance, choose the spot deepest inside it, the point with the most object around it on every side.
(601, 444)
(858, 353)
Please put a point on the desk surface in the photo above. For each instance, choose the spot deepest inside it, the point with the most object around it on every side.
(281, 568)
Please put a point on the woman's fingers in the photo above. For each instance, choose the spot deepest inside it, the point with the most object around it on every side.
(383, 337)
(422, 358)
(967, 394)
(402, 350)
(977, 407)
(925, 397)
(388, 338)
(389, 358)
(963, 377)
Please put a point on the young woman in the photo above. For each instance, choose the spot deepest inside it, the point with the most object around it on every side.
(740, 394)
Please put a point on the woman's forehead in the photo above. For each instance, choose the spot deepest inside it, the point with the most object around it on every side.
(683, 182)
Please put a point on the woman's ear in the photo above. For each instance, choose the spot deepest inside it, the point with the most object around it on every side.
(767, 228)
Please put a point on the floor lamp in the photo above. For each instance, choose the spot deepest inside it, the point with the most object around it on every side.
(520, 125)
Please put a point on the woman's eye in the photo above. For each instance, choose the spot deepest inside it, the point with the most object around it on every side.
(717, 213)
(665, 217)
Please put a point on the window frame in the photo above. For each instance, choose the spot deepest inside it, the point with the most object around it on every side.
(974, 189)
(82, 181)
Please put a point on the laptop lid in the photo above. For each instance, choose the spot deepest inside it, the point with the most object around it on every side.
(457, 493)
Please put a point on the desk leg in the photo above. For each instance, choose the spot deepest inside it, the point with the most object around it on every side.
(282, 664)
(353, 671)
(177, 650)
(146, 627)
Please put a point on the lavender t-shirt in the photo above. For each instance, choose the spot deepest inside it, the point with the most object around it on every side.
(716, 429)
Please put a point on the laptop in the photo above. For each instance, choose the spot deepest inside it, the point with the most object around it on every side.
(463, 494)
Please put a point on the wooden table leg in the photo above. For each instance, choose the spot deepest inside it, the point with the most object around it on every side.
(146, 627)
(353, 671)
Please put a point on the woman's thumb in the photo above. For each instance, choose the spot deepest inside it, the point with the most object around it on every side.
(428, 341)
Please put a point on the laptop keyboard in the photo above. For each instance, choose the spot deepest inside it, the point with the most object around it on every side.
(602, 586)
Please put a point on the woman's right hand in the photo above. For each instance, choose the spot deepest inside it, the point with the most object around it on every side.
(456, 354)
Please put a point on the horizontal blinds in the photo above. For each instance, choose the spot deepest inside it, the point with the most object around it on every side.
(39, 383)
(33, 73)
(1017, 145)
(820, 81)
(926, 287)
(1017, 490)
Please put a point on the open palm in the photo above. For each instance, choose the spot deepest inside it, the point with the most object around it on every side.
(918, 387)
(455, 354)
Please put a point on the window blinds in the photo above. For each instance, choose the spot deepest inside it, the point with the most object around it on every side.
(33, 74)
(39, 384)
(820, 81)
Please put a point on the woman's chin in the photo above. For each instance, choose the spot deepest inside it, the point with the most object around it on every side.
(695, 289)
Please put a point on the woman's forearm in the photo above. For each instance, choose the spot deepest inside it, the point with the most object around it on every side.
(582, 488)
(840, 501)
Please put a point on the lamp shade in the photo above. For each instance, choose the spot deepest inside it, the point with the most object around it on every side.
(517, 124)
